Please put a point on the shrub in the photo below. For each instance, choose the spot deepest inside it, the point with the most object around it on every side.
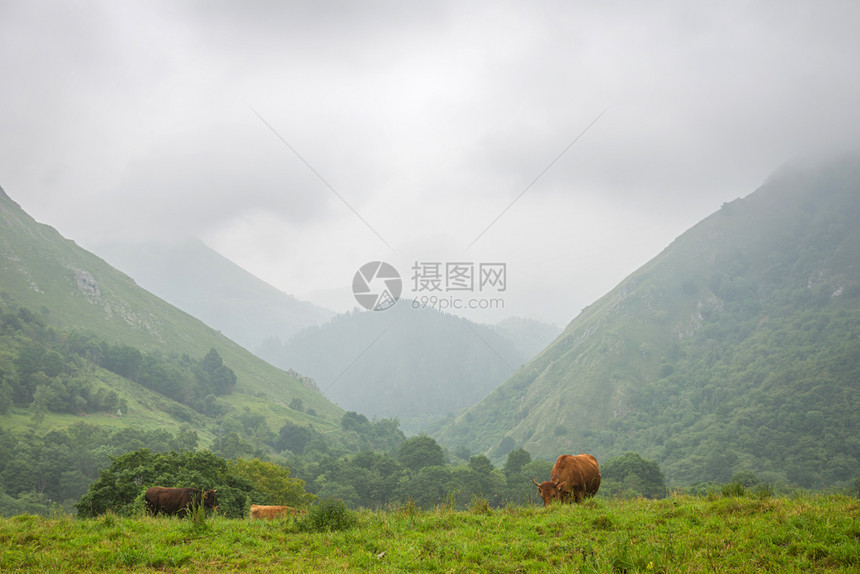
(406, 509)
(734, 488)
(763, 490)
(480, 505)
(746, 478)
(330, 515)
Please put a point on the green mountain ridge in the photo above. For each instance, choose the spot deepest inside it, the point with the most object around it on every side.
(76, 291)
(391, 380)
(736, 348)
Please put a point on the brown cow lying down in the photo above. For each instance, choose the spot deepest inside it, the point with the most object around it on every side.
(178, 501)
(573, 478)
(260, 511)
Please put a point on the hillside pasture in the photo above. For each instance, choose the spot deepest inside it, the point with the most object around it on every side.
(677, 534)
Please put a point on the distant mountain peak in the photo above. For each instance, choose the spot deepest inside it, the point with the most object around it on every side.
(202, 282)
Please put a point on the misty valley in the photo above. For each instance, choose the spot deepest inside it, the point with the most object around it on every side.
(506, 287)
(730, 358)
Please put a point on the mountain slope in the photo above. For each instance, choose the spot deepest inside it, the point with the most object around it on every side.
(74, 290)
(736, 348)
(201, 282)
(418, 365)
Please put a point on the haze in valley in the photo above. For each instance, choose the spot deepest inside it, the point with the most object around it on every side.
(571, 141)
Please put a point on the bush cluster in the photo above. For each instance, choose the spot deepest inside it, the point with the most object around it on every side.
(330, 515)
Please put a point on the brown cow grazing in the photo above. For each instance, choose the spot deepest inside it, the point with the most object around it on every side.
(262, 512)
(572, 478)
(178, 501)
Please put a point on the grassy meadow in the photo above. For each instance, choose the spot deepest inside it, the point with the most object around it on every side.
(677, 534)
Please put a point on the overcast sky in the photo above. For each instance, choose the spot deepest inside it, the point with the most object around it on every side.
(303, 139)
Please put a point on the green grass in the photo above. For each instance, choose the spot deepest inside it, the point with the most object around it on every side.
(679, 534)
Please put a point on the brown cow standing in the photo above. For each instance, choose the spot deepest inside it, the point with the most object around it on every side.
(178, 501)
(260, 511)
(572, 478)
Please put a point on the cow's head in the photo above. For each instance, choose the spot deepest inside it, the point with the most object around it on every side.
(210, 499)
(549, 490)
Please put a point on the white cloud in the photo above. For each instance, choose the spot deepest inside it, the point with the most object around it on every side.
(135, 120)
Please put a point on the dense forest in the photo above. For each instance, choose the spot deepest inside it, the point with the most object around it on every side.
(735, 349)
(787, 387)
(75, 469)
(734, 353)
(97, 319)
(370, 463)
(47, 372)
(44, 369)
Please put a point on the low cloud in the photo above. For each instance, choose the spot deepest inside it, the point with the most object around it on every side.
(140, 120)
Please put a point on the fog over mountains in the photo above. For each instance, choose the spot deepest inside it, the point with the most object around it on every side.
(413, 363)
(91, 316)
(736, 348)
(197, 279)
(429, 366)
(666, 195)
(678, 355)
(434, 122)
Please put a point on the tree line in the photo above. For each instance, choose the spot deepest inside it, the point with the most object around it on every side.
(91, 470)
(416, 474)
(44, 369)
(41, 472)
